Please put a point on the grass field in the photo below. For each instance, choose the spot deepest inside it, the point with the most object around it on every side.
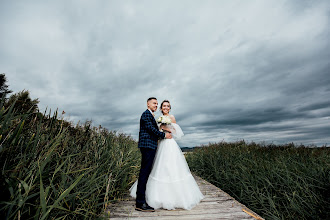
(51, 169)
(277, 182)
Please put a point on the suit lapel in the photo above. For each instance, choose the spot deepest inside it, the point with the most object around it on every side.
(154, 121)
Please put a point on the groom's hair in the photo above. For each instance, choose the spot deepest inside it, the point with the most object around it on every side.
(151, 98)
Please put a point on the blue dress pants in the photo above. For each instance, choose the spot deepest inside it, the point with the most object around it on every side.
(148, 156)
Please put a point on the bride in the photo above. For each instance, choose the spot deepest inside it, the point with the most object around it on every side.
(170, 184)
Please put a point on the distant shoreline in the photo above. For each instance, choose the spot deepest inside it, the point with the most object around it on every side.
(189, 149)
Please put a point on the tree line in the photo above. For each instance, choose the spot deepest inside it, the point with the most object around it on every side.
(23, 102)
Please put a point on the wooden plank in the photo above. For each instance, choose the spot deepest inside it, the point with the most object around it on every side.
(217, 204)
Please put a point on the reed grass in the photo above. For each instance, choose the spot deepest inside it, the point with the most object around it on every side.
(277, 182)
(51, 169)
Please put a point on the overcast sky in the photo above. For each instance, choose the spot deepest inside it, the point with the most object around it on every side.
(233, 70)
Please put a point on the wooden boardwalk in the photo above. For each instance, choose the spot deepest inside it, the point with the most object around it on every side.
(216, 205)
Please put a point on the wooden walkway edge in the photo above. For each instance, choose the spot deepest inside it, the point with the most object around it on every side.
(216, 205)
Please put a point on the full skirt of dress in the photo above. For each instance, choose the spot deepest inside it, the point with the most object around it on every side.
(170, 184)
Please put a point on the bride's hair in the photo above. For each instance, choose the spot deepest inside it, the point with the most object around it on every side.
(161, 105)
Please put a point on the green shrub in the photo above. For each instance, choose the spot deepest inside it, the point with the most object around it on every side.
(278, 182)
(51, 169)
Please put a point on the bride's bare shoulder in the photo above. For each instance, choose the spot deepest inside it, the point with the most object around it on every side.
(172, 118)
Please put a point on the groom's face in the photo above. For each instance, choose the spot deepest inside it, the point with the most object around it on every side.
(152, 105)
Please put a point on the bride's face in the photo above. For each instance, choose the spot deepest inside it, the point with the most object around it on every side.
(166, 108)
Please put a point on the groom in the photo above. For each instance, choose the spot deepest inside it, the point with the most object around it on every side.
(148, 138)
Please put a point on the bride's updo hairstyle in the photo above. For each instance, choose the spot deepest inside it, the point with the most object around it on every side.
(161, 105)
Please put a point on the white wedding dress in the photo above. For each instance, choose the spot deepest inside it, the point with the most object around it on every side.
(170, 184)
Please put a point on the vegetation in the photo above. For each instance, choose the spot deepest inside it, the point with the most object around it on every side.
(3, 86)
(51, 169)
(22, 103)
(277, 182)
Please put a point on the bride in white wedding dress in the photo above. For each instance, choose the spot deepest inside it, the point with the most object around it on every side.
(170, 184)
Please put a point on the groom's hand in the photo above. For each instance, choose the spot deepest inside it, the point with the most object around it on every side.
(168, 135)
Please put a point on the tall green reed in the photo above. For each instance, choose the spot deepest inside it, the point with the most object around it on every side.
(51, 169)
(278, 182)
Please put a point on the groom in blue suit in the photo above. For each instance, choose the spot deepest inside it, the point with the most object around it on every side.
(148, 140)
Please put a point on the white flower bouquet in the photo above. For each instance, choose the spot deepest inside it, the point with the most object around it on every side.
(164, 120)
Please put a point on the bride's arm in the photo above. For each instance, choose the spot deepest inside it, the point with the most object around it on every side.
(165, 128)
(172, 118)
(176, 130)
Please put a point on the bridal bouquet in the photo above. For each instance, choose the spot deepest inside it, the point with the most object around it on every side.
(164, 120)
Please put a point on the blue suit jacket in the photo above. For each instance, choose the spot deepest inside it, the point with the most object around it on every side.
(149, 133)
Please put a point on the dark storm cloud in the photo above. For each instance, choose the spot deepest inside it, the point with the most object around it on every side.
(315, 106)
(253, 70)
(253, 117)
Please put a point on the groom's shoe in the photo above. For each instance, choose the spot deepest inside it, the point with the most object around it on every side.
(144, 207)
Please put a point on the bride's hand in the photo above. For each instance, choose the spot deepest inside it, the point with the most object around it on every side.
(168, 136)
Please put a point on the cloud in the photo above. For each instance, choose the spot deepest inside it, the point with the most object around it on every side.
(256, 70)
